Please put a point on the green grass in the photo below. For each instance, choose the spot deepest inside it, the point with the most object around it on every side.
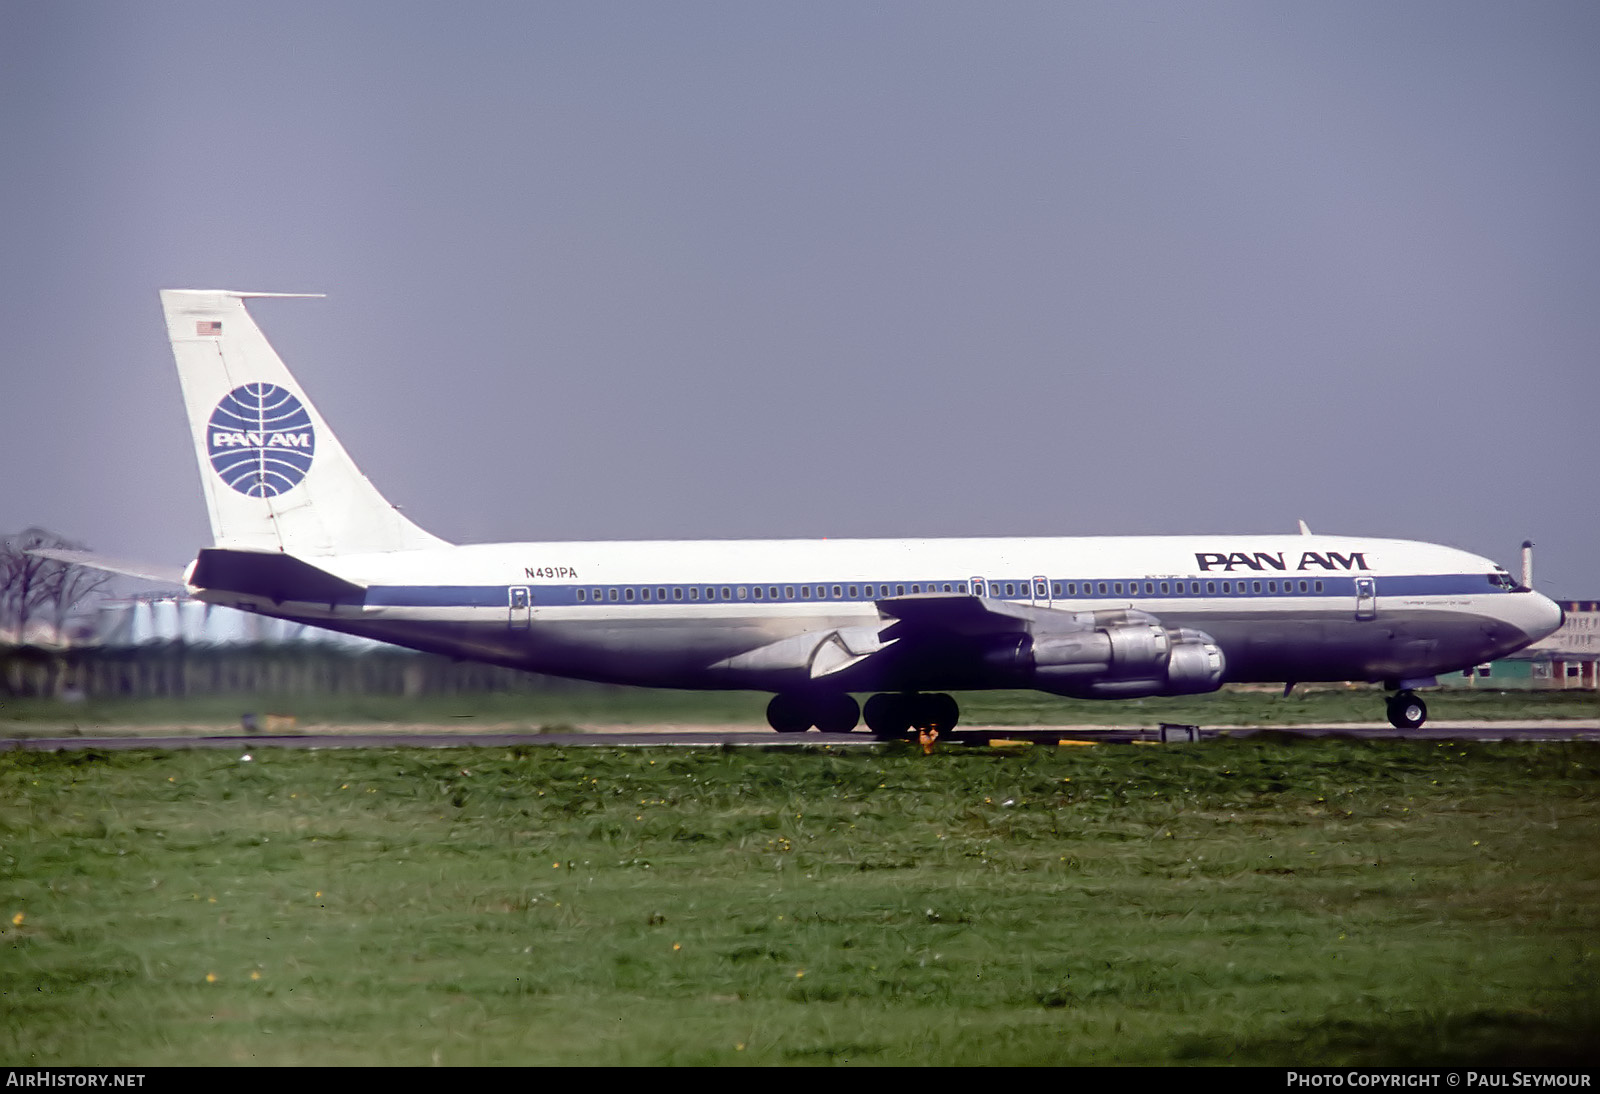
(563, 708)
(581, 705)
(1252, 901)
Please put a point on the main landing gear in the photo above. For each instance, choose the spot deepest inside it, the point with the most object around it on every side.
(900, 715)
(834, 712)
(1406, 711)
(887, 715)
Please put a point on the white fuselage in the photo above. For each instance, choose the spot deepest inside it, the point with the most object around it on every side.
(751, 614)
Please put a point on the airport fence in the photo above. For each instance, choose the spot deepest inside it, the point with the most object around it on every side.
(179, 670)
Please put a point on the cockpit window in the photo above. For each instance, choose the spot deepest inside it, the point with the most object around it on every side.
(1502, 580)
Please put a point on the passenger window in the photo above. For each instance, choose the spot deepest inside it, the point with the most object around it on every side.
(627, 594)
(613, 595)
(805, 592)
(1102, 588)
(788, 592)
(1272, 586)
(757, 591)
(743, 592)
(1149, 587)
(580, 596)
(899, 590)
(725, 593)
(694, 592)
(1211, 588)
(1255, 586)
(1116, 587)
(1227, 588)
(1164, 588)
(838, 591)
(852, 592)
(1317, 586)
(644, 594)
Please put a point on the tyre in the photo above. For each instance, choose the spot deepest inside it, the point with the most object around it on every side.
(940, 712)
(835, 713)
(788, 714)
(1406, 711)
(887, 715)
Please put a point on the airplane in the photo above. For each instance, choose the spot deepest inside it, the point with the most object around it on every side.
(300, 533)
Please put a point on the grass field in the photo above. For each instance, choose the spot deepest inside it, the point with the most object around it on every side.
(1259, 900)
(582, 705)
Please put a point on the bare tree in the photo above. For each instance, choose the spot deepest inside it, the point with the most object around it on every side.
(33, 587)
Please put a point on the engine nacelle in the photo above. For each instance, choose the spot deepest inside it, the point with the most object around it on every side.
(1126, 659)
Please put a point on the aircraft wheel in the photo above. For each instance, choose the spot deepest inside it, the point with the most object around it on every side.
(940, 712)
(836, 713)
(1406, 711)
(788, 714)
(888, 715)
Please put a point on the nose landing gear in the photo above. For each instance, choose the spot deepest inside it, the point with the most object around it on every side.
(1406, 711)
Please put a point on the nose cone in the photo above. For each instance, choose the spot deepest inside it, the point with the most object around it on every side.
(1520, 619)
(1540, 617)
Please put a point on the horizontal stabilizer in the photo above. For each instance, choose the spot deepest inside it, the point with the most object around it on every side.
(277, 577)
(150, 571)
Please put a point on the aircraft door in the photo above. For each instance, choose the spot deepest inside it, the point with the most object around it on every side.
(520, 608)
(1041, 592)
(1366, 598)
(980, 587)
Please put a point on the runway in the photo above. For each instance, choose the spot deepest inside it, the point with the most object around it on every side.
(128, 739)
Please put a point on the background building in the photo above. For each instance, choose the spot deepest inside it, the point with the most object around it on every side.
(1569, 658)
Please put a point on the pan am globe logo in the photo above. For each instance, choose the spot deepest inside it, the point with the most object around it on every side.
(261, 440)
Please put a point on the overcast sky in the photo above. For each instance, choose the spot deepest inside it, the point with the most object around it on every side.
(726, 270)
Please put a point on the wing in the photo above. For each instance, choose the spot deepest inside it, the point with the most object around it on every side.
(967, 615)
(1119, 653)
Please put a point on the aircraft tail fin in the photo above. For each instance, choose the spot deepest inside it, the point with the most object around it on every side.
(274, 475)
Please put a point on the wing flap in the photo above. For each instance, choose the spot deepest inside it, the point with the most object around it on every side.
(819, 653)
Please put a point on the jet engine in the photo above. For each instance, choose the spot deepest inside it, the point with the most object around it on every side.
(1118, 659)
